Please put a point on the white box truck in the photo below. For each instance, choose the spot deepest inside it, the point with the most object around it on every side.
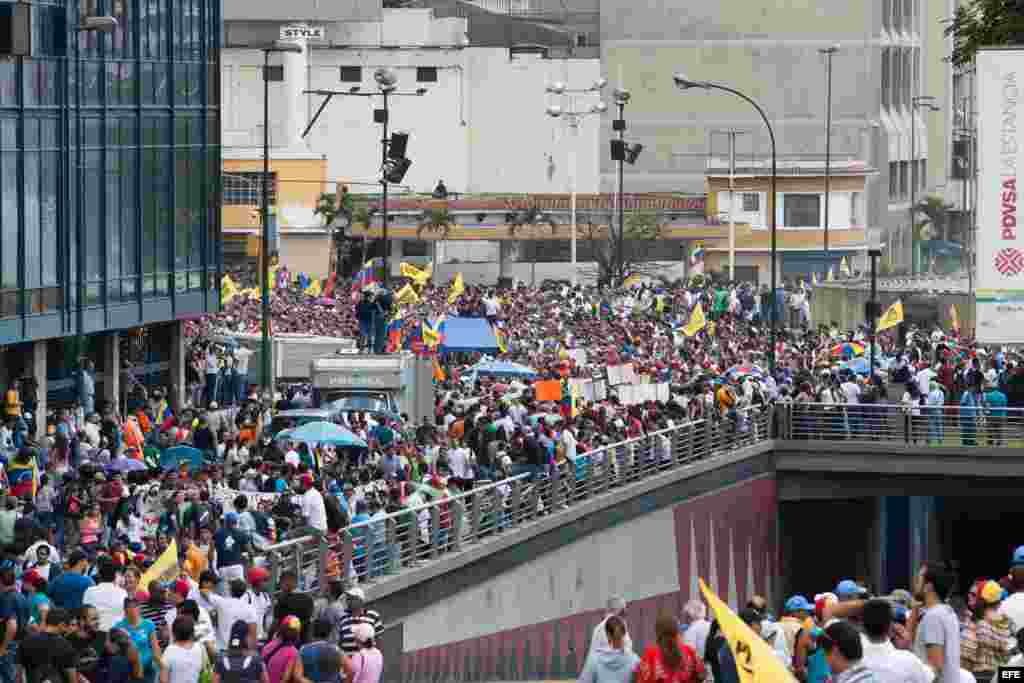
(396, 383)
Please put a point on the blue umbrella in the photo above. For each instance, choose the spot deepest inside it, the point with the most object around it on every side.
(127, 465)
(324, 433)
(172, 458)
(503, 368)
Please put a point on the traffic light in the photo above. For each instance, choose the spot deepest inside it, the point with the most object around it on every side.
(395, 169)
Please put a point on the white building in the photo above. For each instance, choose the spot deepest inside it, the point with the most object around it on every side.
(481, 126)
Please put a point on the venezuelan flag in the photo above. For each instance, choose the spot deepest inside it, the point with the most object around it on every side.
(395, 332)
(22, 478)
(372, 272)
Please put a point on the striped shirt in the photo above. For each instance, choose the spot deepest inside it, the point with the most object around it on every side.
(155, 613)
(347, 621)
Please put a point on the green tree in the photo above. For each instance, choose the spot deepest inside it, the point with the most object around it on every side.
(615, 264)
(983, 23)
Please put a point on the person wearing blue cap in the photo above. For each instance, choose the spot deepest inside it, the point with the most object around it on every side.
(848, 589)
(797, 609)
(230, 543)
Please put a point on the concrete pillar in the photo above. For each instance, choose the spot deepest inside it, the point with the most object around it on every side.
(39, 361)
(176, 389)
(111, 350)
(293, 108)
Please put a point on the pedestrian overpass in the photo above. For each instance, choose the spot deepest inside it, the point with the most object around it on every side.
(506, 582)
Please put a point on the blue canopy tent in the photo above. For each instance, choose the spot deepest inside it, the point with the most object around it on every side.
(466, 335)
(501, 368)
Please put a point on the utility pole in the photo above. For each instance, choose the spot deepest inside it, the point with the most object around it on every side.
(828, 52)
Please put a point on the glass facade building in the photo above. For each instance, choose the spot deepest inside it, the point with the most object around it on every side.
(110, 167)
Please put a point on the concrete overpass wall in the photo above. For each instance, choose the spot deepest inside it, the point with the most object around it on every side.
(845, 305)
(534, 619)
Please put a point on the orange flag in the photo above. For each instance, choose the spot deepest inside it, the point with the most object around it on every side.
(438, 371)
(548, 390)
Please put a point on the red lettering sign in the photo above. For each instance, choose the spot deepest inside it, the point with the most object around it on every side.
(1009, 221)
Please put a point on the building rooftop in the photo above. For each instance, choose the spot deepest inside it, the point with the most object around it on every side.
(803, 166)
(690, 204)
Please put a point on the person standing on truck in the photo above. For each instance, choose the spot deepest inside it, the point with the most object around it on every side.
(384, 303)
(365, 310)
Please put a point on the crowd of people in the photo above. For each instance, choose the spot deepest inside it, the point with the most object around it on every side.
(930, 634)
(102, 497)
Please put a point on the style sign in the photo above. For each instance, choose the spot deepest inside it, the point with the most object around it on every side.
(304, 32)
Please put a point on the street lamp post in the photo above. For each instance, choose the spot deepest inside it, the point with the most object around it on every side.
(919, 102)
(619, 126)
(873, 310)
(266, 378)
(684, 83)
(387, 83)
(574, 118)
(828, 52)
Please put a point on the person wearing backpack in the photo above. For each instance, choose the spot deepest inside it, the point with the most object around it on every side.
(14, 616)
(240, 663)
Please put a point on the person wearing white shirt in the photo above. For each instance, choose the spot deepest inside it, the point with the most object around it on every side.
(599, 639)
(924, 378)
(107, 597)
(881, 657)
(311, 502)
(230, 610)
(696, 635)
(459, 463)
(569, 443)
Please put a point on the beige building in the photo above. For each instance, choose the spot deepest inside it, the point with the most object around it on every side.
(890, 52)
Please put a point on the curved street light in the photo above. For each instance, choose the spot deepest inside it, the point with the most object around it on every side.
(684, 83)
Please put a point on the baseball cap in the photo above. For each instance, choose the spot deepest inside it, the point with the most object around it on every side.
(239, 632)
(799, 603)
(357, 593)
(292, 622)
(1018, 557)
(258, 574)
(181, 587)
(991, 592)
(848, 588)
(231, 519)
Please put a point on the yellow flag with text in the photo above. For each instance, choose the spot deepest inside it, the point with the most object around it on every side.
(892, 317)
(458, 287)
(756, 661)
(165, 568)
(697, 322)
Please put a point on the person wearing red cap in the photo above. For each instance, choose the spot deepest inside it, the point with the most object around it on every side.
(34, 586)
(259, 599)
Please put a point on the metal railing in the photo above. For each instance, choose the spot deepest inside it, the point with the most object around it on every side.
(381, 548)
(939, 425)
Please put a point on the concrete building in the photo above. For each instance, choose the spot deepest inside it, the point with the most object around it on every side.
(109, 234)
(480, 125)
(889, 50)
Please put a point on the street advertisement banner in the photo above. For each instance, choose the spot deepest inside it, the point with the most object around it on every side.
(999, 295)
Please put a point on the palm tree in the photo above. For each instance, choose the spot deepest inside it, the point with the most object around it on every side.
(517, 222)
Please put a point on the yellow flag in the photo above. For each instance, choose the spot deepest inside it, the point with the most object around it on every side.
(893, 316)
(431, 337)
(407, 296)
(314, 288)
(814, 278)
(659, 304)
(697, 322)
(499, 336)
(574, 394)
(165, 568)
(632, 281)
(418, 277)
(272, 276)
(458, 287)
(228, 289)
(831, 275)
(954, 318)
(844, 267)
(756, 661)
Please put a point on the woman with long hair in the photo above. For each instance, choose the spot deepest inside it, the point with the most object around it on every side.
(669, 660)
